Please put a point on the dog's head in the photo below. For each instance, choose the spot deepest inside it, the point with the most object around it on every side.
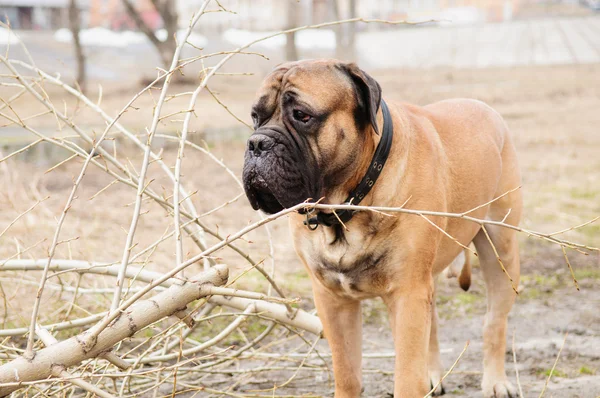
(314, 124)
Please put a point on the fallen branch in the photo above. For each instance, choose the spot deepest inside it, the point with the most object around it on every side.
(236, 299)
(60, 371)
(143, 313)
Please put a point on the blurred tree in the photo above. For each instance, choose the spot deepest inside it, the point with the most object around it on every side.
(293, 19)
(75, 26)
(167, 9)
(345, 35)
(352, 28)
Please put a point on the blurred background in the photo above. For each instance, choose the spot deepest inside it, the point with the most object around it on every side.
(119, 44)
(537, 62)
(122, 39)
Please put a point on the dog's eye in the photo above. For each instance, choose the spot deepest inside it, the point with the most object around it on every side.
(254, 116)
(301, 116)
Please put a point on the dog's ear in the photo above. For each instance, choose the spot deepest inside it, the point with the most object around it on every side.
(368, 93)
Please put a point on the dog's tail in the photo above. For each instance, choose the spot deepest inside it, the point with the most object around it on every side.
(461, 267)
(464, 279)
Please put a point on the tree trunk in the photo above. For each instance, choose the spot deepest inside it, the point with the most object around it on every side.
(351, 42)
(75, 26)
(168, 13)
(339, 33)
(293, 16)
(345, 35)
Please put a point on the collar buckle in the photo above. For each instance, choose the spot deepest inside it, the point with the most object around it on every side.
(311, 222)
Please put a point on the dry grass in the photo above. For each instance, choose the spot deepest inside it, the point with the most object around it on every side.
(551, 111)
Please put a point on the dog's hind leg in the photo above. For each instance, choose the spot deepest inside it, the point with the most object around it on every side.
(500, 299)
(436, 369)
(500, 293)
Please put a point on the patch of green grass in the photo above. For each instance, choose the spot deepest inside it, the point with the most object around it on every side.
(540, 280)
(253, 281)
(584, 193)
(374, 312)
(587, 273)
(536, 286)
(253, 327)
(460, 303)
(466, 299)
(442, 299)
(298, 276)
(531, 293)
(212, 326)
(10, 325)
(555, 373)
(457, 391)
(584, 370)
(147, 333)
(591, 231)
(296, 282)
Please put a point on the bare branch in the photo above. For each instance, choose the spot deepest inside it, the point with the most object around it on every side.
(143, 313)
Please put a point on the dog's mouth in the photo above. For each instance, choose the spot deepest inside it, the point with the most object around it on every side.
(260, 196)
(278, 178)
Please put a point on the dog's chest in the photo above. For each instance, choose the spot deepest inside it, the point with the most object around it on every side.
(349, 268)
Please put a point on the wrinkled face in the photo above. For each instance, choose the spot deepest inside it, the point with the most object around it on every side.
(314, 122)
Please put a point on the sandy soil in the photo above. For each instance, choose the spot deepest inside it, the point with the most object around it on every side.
(553, 115)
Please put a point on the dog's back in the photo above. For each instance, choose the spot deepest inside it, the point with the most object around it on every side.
(480, 166)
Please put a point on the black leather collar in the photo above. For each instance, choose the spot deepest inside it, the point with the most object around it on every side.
(365, 185)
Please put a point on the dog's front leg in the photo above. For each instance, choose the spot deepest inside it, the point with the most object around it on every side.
(409, 307)
(342, 324)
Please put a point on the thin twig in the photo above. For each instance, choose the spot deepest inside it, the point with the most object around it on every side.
(570, 267)
(430, 393)
(144, 169)
(553, 366)
(514, 352)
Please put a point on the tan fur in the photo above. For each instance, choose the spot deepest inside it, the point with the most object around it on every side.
(450, 156)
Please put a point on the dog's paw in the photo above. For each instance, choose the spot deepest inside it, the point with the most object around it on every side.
(502, 389)
(434, 380)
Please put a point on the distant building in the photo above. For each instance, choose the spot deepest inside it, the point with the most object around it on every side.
(268, 15)
(38, 14)
(53, 14)
(111, 14)
(259, 15)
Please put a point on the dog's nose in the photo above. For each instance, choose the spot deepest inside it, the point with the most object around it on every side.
(259, 143)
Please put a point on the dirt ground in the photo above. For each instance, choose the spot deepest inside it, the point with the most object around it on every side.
(553, 113)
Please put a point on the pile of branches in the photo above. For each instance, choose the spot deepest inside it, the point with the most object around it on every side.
(106, 354)
(163, 333)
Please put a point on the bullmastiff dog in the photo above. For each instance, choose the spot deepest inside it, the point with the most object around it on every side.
(324, 132)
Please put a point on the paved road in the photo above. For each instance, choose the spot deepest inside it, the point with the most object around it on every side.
(533, 42)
